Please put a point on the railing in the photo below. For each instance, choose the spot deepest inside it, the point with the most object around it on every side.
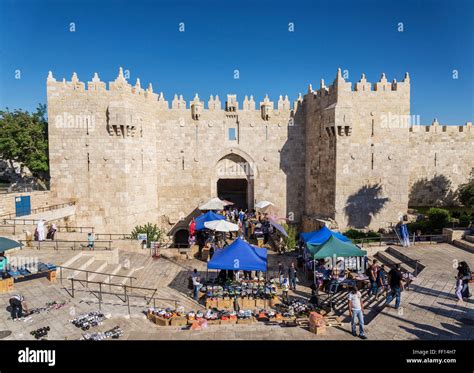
(76, 229)
(59, 229)
(81, 245)
(127, 293)
(38, 210)
(394, 240)
(86, 271)
(112, 236)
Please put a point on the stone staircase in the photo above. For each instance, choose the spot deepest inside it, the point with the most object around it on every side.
(392, 256)
(466, 243)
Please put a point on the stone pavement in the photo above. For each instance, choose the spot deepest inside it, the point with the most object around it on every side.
(429, 309)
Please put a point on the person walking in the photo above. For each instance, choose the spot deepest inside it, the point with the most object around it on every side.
(356, 312)
(196, 284)
(372, 273)
(17, 305)
(285, 287)
(292, 276)
(281, 271)
(396, 286)
(90, 241)
(382, 282)
(464, 273)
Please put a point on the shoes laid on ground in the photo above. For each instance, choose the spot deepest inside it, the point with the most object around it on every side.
(362, 336)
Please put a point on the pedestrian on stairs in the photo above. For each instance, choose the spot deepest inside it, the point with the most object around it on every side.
(396, 286)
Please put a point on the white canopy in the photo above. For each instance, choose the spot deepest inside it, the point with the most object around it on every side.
(221, 226)
(213, 204)
(262, 205)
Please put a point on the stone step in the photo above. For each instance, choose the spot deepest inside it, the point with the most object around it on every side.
(94, 265)
(402, 257)
(464, 245)
(469, 238)
(389, 260)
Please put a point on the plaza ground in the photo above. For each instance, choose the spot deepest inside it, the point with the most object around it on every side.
(429, 310)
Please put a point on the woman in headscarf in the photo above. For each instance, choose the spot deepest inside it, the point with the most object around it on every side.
(464, 274)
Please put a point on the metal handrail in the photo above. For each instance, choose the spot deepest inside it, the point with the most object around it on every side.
(40, 209)
(126, 293)
(98, 273)
(74, 242)
(124, 236)
(59, 229)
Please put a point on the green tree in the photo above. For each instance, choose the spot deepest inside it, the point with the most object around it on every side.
(153, 233)
(290, 241)
(24, 139)
(465, 192)
(438, 218)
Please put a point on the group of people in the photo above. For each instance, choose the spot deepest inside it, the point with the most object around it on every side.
(287, 279)
(390, 283)
(40, 233)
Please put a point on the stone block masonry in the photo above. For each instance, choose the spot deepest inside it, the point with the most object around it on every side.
(127, 156)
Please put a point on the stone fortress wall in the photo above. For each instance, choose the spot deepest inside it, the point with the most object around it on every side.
(129, 156)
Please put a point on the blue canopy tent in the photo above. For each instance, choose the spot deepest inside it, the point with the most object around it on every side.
(239, 255)
(321, 236)
(208, 216)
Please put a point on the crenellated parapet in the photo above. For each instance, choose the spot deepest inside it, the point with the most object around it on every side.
(120, 86)
(436, 128)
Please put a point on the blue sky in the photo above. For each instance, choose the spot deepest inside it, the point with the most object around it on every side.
(251, 36)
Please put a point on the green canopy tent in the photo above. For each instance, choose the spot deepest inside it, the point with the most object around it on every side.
(335, 247)
(7, 244)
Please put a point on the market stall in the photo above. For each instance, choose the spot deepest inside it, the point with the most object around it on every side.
(332, 250)
(239, 290)
(207, 217)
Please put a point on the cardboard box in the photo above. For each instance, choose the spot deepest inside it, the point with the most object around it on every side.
(150, 316)
(6, 285)
(211, 303)
(246, 321)
(213, 322)
(179, 321)
(261, 304)
(225, 304)
(160, 321)
(52, 276)
(240, 302)
(248, 304)
(317, 329)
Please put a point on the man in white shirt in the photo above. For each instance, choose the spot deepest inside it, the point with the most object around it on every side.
(196, 284)
(356, 311)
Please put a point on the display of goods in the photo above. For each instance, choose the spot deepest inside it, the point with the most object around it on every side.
(49, 306)
(88, 320)
(41, 332)
(113, 333)
(255, 289)
(166, 313)
(294, 308)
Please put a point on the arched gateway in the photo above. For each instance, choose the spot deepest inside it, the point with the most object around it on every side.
(234, 178)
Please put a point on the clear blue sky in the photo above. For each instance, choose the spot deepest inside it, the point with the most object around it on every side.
(251, 36)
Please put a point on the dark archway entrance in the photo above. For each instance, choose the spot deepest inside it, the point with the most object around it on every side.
(234, 190)
(181, 238)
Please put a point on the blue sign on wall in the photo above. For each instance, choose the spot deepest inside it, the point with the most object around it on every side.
(22, 206)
